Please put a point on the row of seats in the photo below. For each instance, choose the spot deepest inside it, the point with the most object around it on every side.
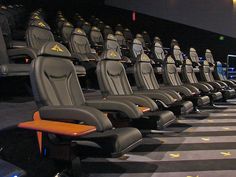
(54, 70)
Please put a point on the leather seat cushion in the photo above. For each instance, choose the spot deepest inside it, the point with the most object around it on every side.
(14, 69)
(203, 100)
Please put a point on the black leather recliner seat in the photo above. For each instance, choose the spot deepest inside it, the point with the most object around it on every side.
(128, 36)
(107, 30)
(207, 76)
(119, 27)
(38, 33)
(114, 84)
(123, 44)
(145, 47)
(147, 39)
(59, 97)
(66, 31)
(189, 92)
(189, 77)
(96, 39)
(87, 28)
(146, 81)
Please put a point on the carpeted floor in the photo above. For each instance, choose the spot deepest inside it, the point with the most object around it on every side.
(197, 147)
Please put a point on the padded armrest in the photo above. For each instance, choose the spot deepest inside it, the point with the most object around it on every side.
(216, 85)
(181, 89)
(157, 95)
(230, 83)
(127, 107)
(83, 114)
(60, 128)
(173, 93)
(208, 85)
(222, 83)
(202, 87)
(79, 57)
(80, 70)
(14, 53)
(139, 100)
(192, 88)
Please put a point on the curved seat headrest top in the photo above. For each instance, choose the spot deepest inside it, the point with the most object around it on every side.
(158, 45)
(94, 28)
(68, 24)
(145, 32)
(35, 17)
(119, 25)
(143, 58)
(107, 27)
(176, 47)
(137, 41)
(111, 55)
(208, 51)
(205, 63)
(54, 49)
(119, 33)
(40, 24)
(100, 22)
(139, 35)
(111, 37)
(219, 64)
(127, 29)
(192, 50)
(86, 23)
(170, 60)
(79, 31)
(187, 62)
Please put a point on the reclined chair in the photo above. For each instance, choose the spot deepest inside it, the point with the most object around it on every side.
(38, 33)
(112, 44)
(66, 31)
(96, 39)
(58, 94)
(114, 85)
(189, 92)
(87, 28)
(128, 36)
(189, 77)
(146, 81)
(209, 57)
(145, 48)
(119, 27)
(100, 25)
(206, 76)
(107, 30)
(147, 39)
(123, 44)
(158, 51)
(177, 55)
(14, 62)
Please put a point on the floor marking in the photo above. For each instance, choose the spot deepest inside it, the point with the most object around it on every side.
(176, 155)
(226, 154)
(205, 139)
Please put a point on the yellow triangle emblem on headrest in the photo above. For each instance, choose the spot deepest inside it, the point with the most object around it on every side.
(56, 48)
(79, 31)
(113, 54)
(41, 24)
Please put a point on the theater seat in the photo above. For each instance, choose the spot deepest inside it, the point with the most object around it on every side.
(66, 31)
(146, 80)
(59, 96)
(128, 35)
(114, 84)
(107, 30)
(96, 39)
(87, 28)
(119, 27)
(147, 39)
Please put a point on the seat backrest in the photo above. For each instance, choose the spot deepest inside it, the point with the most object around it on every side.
(219, 71)
(137, 48)
(119, 27)
(194, 57)
(141, 39)
(177, 54)
(66, 31)
(144, 73)
(87, 28)
(120, 39)
(107, 30)
(171, 75)
(206, 73)
(6, 31)
(4, 59)
(112, 76)
(54, 79)
(96, 36)
(112, 44)
(173, 43)
(159, 51)
(100, 25)
(37, 34)
(209, 57)
(157, 40)
(79, 42)
(128, 35)
(188, 72)
(147, 38)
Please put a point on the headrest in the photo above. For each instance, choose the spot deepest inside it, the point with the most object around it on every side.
(3, 7)
(127, 29)
(67, 24)
(62, 19)
(54, 49)
(79, 31)
(158, 45)
(137, 41)
(188, 62)
(192, 50)
(40, 24)
(86, 23)
(97, 18)
(139, 36)
(111, 37)
(145, 32)
(107, 27)
(170, 60)
(205, 63)
(208, 51)
(101, 22)
(119, 25)
(35, 17)
(94, 28)
(143, 58)
(174, 41)
(110, 55)
(119, 33)
(176, 47)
